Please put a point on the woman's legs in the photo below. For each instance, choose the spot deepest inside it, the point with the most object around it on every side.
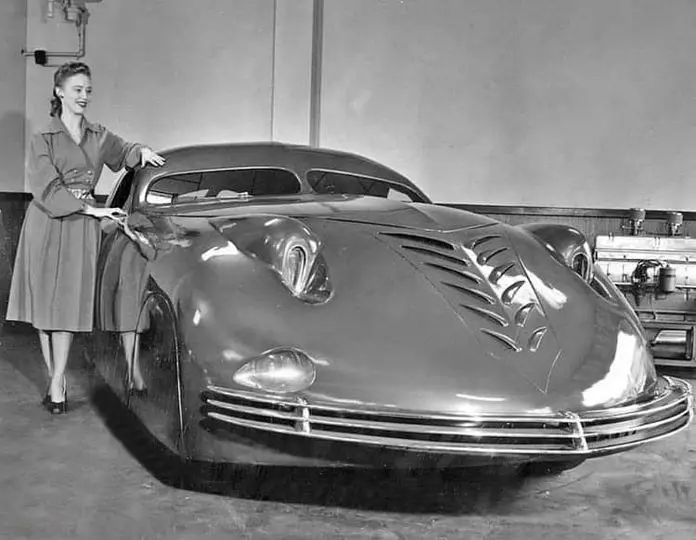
(45, 339)
(61, 342)
(131, 348)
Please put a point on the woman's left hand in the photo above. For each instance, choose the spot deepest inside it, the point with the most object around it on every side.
(148, 156)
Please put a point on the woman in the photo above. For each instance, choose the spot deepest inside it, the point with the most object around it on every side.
(53, 284)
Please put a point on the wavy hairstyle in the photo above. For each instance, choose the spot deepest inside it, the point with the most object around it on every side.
(63, 73)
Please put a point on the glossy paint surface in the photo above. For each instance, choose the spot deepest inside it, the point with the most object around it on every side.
(431, 311)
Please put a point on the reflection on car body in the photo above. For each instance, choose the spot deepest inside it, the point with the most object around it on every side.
(289, 305)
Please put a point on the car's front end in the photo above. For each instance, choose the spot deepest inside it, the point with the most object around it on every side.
(322, 336)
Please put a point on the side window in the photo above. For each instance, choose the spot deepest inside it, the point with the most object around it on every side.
(332, 182)
(167, 190)
(397, 195)
(231, 183)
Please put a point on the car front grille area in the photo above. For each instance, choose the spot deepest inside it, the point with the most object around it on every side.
(596, 432)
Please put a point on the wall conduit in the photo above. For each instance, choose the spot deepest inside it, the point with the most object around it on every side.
(73, 12)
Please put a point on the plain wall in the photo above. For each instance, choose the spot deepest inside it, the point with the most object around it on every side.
(574, 103)
(166, 72)
(542, 102)
(13, 32)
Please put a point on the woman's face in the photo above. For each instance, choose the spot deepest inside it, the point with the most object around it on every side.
(75, 93)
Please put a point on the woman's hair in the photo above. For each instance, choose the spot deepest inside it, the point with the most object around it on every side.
(62, 74)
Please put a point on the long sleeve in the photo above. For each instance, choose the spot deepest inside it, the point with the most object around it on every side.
(46, 182)
(118, 153)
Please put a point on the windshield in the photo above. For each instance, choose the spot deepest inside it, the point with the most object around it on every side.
(225, 184)
(334, 182)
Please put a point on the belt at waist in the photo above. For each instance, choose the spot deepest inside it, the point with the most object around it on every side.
(84, 194)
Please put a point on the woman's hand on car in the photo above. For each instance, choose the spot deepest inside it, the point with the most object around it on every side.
(115, 214)
(147, 156)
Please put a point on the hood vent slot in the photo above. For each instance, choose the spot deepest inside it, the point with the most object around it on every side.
(536, 337)
(486, 256)
(475, 293)
(487, 313)
(423, 240)
(502, 339)
(523, 312)
(499, 271)
(483, 239)
(431, 253)
(457, 273)
(509, 294)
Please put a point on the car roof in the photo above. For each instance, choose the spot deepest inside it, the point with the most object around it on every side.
(297, 158)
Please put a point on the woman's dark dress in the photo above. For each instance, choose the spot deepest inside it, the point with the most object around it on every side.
(54, 279)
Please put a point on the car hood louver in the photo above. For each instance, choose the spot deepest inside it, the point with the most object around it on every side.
(483, 279)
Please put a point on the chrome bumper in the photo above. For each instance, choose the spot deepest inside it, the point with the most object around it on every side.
(595, 432)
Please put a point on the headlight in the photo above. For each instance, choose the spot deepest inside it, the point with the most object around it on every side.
(288, 247)
(304, 273)
(582, 262)
(566, 244)
(294, 270)
(278, 371)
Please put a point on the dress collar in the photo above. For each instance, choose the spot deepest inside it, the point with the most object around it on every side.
(56, 125)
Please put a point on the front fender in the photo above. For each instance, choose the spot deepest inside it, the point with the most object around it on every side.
(566, 244)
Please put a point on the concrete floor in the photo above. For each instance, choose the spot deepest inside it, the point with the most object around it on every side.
(87, 475)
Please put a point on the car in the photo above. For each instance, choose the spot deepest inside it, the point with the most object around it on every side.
(276, 304)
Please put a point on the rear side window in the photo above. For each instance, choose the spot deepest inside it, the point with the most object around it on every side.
(231, 184)
(332, 182)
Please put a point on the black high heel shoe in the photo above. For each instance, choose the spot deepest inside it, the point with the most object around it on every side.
(57, 407)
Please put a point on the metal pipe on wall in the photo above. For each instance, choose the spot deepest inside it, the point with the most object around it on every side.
(273, 68)
(315, 88)
(75, 54)
(80, 15)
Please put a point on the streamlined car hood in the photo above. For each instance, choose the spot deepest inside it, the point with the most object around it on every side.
(433, 309)
(352, 208)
